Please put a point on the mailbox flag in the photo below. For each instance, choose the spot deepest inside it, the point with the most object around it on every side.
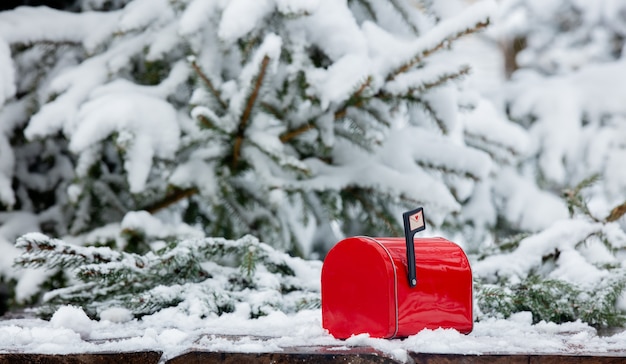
(416, 221)
(413, 223)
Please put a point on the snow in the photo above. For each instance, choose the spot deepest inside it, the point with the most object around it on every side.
(116, 315)
(132, 113)
(72, 318)
(572, 267)
(142, 221)
(478, 13)
(563, 235)
(486, 127)
(241, 16)
(340, 80)
(70, 331)
(29, 284)
(7, 75)
(297, 6)
(525, 205)
(77, 84)
(141, 13)
(89, 28)
(7, 163)
(333, 28)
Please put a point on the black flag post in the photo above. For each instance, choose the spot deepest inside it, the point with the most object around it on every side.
(414, 222)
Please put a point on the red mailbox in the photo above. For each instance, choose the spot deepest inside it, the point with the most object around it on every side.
(368, 285)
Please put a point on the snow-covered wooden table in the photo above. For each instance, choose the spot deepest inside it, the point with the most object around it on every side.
(174, 338)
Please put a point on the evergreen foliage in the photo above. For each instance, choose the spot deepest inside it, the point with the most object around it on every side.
(564, 59)
(202, 277)
(277, 146)
(555, 288)
(292, 133)
(553, 300)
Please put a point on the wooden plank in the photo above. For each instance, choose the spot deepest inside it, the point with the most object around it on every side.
(577, 359)
(426, 358)
(141, 357)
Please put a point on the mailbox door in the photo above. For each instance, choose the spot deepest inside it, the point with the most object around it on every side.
(359, 289)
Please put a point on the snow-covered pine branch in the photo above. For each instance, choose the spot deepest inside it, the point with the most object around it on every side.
(217, 272)
(322, 95)
(443, 35)
(41, 250)
(554, 300)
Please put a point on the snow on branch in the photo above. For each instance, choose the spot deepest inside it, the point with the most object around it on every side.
(132, 116)
(240, 17)
(251, 80)
(40, 250)
(209, 84)
(429, 151)
(470, 21)
(420, 80)
(193, 269)
(140, 14)
(89, 29)
(564, 235)
(7, 74)
(487, 129)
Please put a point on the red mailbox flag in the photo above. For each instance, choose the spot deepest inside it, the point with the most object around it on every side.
(413, 222)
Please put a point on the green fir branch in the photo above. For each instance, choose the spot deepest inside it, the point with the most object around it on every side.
(42, 251)
(404, 15)
(376, 113)
(576, 202)
(174, 196)
(356, 134)
(287, 162)
(164, 278)
(375, 215)
(367, 120)
(209, 84)
(248, 261)
(273, 110)
(465, 173)
(417, 59)
(248, 44)
(211, 122)
(440, 123)
(421, 103)
(442, 79)
(357, 99)
(294, 133)
(247, 111)
(555, 300)
(494, 148)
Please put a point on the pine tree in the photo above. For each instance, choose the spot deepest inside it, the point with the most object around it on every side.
(562, 59)
(294, 134)
(293, 125)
